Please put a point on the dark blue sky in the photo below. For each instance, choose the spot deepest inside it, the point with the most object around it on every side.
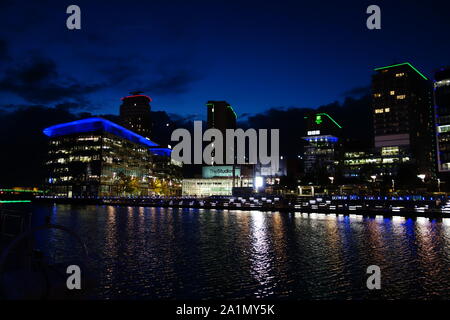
(256, 55)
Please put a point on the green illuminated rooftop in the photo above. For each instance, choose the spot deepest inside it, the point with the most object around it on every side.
(402, 64)
(211, 104)
(318, 119)
(233, 111)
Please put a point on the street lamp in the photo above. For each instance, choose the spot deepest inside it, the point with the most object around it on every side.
(421, 177)
(393, 185)
(374, 178)
(331, 179)
(439, 184)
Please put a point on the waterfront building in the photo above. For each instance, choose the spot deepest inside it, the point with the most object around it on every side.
(213, 186)
(322, 151)
(135, 113)
(221, 116)
(95, 157)
(361, 161)
(165, 173)
(363, 165)
(442, 111)
(403, 118)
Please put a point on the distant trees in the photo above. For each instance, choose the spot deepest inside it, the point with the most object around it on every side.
(127, 185)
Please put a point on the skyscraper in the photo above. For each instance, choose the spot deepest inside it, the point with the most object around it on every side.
(403, 118)
(442, 110)
(322, 149)
(221, 115)
(135, 113)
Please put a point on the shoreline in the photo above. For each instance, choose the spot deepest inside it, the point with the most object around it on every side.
(344, 211)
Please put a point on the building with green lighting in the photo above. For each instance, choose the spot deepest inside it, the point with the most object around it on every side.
(403, 119)
(442, 112)
(322, 150)
(221, 115)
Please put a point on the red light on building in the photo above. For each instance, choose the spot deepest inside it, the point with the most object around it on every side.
(136, 96)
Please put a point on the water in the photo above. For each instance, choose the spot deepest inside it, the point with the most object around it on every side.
(155, 253)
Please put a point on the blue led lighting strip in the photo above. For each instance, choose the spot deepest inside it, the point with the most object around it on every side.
(96, 124)
(161, 151)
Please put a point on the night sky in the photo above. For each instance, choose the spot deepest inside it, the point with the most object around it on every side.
(255, 55)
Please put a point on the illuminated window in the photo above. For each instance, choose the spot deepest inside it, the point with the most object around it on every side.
(445, 128)
(313, 132)
(389, 151)
(401, 97)
(392, 92)
(442, 83)
(446, 165)
(379, 110)
(377, 95)
(398, 75)
(387, 109)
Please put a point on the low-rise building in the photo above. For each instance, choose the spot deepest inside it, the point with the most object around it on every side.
(213, 186)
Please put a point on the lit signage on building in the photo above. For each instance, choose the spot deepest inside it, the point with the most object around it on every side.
(220, 171)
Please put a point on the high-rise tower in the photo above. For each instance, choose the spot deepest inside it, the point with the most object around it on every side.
(403, 118)
(221, 115)
(135, 113)
(322, 149)
(442, 109)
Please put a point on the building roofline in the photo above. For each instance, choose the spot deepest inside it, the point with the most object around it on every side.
(402, 64)
(329, 117)
(94, 124)
(211, 103)
(320, 136)
(137, 95)
(161, 151)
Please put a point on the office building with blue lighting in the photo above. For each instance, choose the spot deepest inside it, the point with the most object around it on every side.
(95, 157)
(322, 150)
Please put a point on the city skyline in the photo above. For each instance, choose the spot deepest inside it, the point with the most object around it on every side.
(225, 157)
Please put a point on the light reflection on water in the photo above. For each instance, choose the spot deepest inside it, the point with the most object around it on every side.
(187, 253)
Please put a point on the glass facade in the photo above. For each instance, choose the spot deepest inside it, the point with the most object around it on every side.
(214, 186)
(322, 150)
(97, 162)
(363, 165)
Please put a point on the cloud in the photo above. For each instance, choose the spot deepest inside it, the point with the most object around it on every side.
(4, 52)
(38, 81)
(118, 70)
(357, 91)
(71, 106)
(175, 82)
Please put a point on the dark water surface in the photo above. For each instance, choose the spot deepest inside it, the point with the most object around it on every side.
(195, 254)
